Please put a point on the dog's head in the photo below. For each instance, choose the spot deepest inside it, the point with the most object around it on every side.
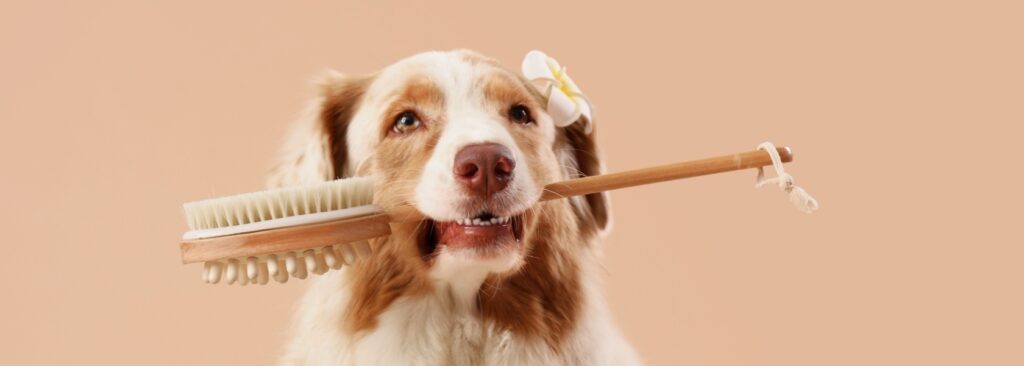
(464, 140)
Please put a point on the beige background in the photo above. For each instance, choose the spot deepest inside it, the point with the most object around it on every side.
(905, 118)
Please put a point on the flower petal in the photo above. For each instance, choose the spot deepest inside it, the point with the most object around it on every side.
(585, 111)
(535, 66)
(563, 109)
(566, 103)
(566, 83)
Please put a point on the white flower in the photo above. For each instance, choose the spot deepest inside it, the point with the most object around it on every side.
(566, 103)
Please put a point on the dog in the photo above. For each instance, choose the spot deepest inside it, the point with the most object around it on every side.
(492, 277)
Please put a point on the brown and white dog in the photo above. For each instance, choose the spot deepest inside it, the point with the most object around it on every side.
(493, 277)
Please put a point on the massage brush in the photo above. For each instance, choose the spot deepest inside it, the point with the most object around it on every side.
(294, 231)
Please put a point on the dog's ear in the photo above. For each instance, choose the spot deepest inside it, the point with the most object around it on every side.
(315, 149)
(580, 158)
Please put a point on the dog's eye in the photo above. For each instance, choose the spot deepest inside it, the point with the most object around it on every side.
(520, 114)
(406, 122)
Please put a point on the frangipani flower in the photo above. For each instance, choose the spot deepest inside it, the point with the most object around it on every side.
(566, 103)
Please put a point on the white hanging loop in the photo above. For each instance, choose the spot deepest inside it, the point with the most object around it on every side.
(800, 198)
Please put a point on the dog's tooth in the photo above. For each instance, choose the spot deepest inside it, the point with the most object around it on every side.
(331, 258)
(250, 268)
(477, 222)
(494, 220)
(231, 272)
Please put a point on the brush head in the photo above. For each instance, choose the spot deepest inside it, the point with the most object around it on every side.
(283, 232)
(280, 207)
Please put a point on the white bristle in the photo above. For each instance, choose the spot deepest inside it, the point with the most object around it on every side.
(278, 203)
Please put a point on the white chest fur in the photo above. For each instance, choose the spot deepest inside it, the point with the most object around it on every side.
(432, 330)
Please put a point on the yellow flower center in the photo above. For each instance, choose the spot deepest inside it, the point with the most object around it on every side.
(564, 83)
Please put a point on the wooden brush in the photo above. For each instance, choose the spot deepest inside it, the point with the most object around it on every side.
(291, 232)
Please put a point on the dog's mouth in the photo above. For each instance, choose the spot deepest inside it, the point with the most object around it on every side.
(484, 235)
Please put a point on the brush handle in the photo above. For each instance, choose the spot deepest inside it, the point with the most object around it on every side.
(662, 173)
(637, 177)
(376, 225)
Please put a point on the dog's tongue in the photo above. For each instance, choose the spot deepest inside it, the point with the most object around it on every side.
(461, 236)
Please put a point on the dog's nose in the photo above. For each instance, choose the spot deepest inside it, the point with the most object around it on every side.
(484, 169)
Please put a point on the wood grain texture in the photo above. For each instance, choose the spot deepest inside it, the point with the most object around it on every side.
(378, 224)
(286, 239)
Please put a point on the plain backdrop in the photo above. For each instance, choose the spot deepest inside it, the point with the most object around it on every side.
(905, 118)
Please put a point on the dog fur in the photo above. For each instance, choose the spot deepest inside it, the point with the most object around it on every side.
(539, 303)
